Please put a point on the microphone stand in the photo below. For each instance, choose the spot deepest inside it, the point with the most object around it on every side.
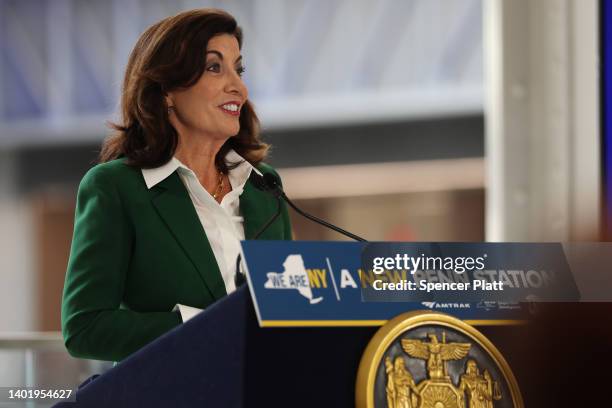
(320, 221)
(274, 186)
(269, 183)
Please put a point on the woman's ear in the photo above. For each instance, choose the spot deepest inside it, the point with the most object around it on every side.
(169, 102)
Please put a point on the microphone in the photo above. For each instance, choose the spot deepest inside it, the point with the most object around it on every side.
(273, 185)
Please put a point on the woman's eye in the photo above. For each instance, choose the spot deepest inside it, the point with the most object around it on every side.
(240, 70)
(213, 68)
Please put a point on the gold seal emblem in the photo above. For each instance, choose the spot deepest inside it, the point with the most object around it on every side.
(433, 360)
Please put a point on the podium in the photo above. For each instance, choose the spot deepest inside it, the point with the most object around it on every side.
(222, 358)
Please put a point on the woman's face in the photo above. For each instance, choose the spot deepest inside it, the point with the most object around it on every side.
(211, 107)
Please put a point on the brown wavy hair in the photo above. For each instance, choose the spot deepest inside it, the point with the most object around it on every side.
(169, 55)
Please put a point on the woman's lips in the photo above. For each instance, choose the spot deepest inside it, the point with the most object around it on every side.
(231, 108)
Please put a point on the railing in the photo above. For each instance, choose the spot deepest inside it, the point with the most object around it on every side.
(37, 359)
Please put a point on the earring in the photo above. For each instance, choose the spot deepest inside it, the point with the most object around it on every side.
(170, 109)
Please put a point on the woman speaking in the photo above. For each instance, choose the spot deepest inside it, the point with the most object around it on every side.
(159, 221)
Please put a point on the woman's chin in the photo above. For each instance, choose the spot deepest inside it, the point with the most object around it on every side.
(220, 134)
(231, 132)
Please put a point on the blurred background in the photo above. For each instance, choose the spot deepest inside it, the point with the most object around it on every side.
(404, 120)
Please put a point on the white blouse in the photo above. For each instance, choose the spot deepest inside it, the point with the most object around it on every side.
(222, 222)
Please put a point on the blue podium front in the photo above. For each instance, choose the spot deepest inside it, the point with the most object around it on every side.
(222, 358)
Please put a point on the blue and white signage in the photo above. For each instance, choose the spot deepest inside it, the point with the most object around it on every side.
(321, 284)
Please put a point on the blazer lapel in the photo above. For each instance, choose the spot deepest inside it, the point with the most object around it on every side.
(176, 209)
(257, 207)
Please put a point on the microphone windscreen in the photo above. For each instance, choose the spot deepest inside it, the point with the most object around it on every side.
(272, 182)
(258, 181)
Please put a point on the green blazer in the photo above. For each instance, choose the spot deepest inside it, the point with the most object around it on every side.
(136, 253)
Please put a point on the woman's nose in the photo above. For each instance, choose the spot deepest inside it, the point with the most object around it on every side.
(236, 86)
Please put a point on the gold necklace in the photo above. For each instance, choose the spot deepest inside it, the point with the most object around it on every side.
(219, 188)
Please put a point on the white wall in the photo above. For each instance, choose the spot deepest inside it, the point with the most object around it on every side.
(542, 120)
(18, 300)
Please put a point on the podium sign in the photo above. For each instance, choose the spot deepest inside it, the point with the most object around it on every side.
(311, 283)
